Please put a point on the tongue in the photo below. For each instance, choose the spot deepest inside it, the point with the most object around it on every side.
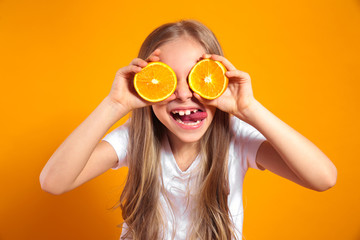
(194, 116)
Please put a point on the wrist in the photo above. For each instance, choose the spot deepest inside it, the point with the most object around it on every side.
(116, 110)
(249, 113)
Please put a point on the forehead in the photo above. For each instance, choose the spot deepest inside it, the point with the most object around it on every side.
(182, 53)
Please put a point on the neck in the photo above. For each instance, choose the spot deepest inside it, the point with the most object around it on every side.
(184, 152)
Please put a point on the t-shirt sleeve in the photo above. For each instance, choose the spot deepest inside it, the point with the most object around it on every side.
(247, 141)
(118, 139)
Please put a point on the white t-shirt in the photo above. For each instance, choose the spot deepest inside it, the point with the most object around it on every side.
(242, 155)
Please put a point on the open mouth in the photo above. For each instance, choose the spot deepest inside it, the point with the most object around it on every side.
(189, 117)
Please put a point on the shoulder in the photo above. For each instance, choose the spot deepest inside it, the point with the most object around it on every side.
(119, 134)
(242, 129)
(245, 143)
(118, 139)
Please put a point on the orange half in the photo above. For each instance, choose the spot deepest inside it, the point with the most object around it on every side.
(155, 82)
(207, 78)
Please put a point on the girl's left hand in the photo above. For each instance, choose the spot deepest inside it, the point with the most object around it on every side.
(238, 96)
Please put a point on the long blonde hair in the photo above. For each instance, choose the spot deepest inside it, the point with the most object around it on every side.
(139, 201)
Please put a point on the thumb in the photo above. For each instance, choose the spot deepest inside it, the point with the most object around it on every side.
(205, 101)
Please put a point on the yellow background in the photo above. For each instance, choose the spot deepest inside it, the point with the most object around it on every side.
(58, 60)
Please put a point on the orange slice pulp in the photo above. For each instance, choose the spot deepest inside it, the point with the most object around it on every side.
(155, 82)
(207, 78)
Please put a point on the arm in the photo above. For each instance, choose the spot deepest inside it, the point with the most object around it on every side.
(286, 152)
(289, 154)
(82, 150)
(81, 156)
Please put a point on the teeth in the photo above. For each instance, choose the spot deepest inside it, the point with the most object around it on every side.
(189, 123)
(186, 112)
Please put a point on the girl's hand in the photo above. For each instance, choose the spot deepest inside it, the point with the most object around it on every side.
(123, 92)
(238, 96)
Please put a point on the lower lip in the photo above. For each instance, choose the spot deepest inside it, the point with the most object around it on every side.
(188, 127)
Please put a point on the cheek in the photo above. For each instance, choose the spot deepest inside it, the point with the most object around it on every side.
(212, 111)
(160, 112)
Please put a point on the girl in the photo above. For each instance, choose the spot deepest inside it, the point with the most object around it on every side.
(185, 177)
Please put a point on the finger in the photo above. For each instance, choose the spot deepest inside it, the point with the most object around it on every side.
(139, 62)
(229, 66)
(128, 69)
(154, 56)
(153, 59)
(198, 97)
(170, 98)
(205, 101)
(237, 74)
(206, 55)
(166, 101)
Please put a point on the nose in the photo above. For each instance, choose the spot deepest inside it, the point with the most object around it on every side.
(183, 91)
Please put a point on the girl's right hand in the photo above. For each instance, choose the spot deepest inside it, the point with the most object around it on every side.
(123, 92)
